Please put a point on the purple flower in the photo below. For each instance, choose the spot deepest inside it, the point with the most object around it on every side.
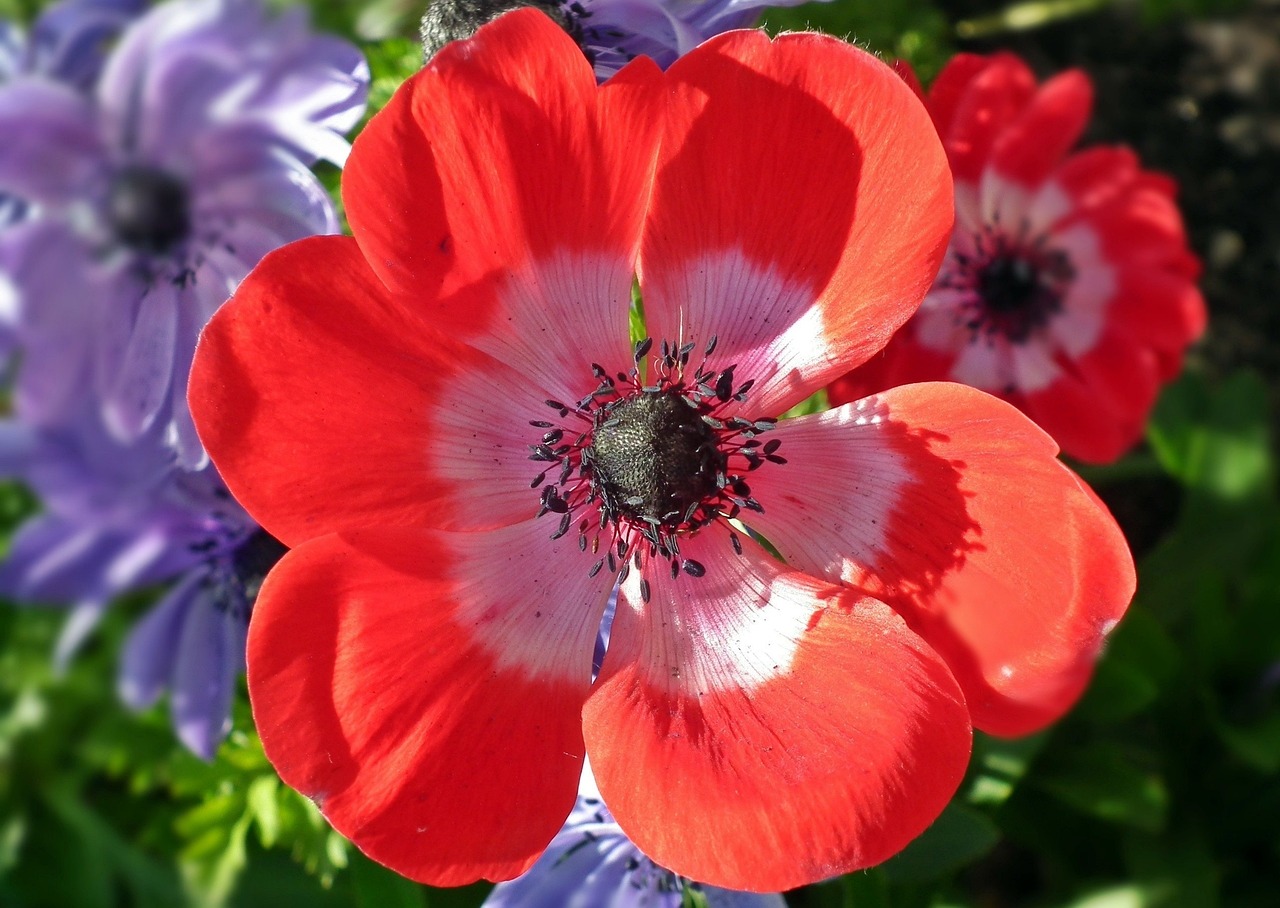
(615, 32)
(156, 196)
(591, 862)
(611, 33)
(116, 522)
(67, 42)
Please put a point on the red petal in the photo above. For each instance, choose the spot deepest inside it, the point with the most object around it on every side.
(425, 689)
(1080, 421)
(1092, 178)
(991, 100)
(949, 87)
(800, 239)
(502, 194)
(1142, 227)
(1125, 379)
(949, 505)
(757, 729)
(908, 75)
(1029, 149)
(326, 406)
(1159, 308)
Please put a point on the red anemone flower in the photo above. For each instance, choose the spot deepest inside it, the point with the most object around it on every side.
(1068, 289)
(446, 419)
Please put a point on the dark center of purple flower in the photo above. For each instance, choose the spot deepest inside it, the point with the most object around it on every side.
(650, 462)
(1014, 285)
(236, 576)
(257, 555)
(149, 210)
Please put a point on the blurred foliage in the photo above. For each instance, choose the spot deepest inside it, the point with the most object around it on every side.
(914, 30)
(1160, 790)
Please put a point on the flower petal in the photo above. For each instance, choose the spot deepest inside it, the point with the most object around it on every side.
(137, 391)
(302, 403)
(1028, 151)
(808, 730)
(1159, 308)
(210, 656)
(501, 194)
(425, 689)
(808, 271)
(51, 151)
(147, 661)
(992, 98)
(949, 505)
(52, 299)
(948, 88)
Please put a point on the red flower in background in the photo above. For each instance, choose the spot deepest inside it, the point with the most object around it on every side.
(1068, 289)
(445, 418)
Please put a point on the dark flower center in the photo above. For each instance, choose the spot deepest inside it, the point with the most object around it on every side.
(1008, 284)
(1015, 285)
(149, 210)
(650, 462)
(257, 555)
(454, 20)
(654, 456)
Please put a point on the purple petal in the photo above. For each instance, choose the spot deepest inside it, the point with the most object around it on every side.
(57, 561)
(591, 862)
(19, 443)
(12, 44)
(55, 291)
(147, 662)
(203, 63)
(247, 181)
(210, 654)
(51, 152)
(69, 40)
(53, 561)
(183, 438)
(140, 386)
(84, 475)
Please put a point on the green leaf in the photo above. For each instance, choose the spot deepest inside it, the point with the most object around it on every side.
(263, 800)
(958, 837)
(212, 864)
(998, 765)
(1215, 439)
(390, 63)
(215, 814)
(1176, 870)
(1257, 744)
(693, 898)
(377, 887)
(149, 883)
(1119, 690)
(1102, 780)
(817, 402)
(1112, 897)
